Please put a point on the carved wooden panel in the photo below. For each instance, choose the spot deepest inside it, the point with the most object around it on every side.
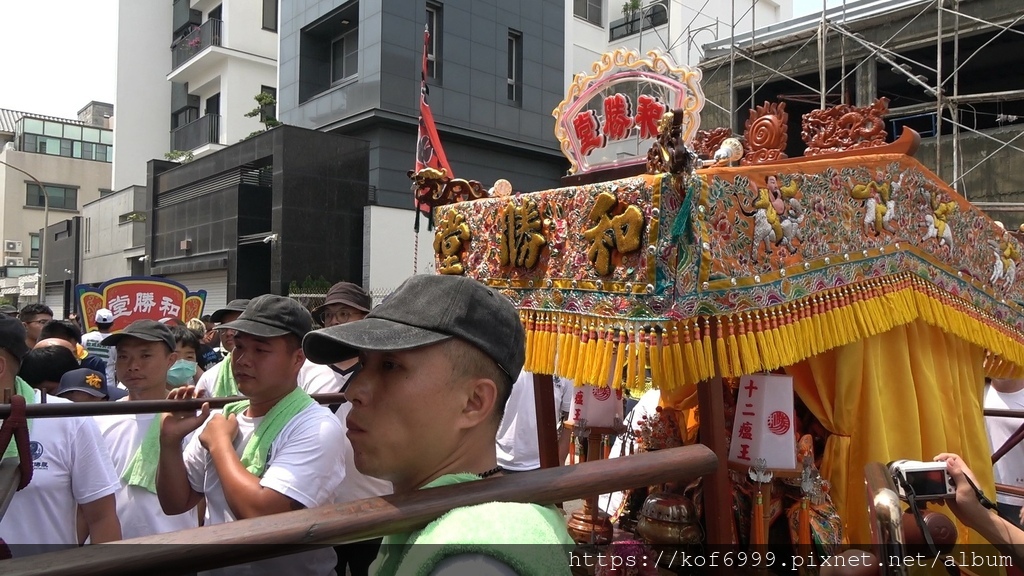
(844, 127)
(765, 133)
(707, 142)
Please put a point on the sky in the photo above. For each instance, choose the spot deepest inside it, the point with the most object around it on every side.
(61, 54)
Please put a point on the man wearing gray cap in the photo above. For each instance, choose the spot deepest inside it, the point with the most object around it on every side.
(219, 381)
(8, 310)
(277, 451)
(439, 357)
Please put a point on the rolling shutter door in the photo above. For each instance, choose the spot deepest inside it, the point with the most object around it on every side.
(215, 282)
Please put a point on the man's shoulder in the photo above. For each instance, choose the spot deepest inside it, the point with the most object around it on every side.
(314, 419)
(489, 524)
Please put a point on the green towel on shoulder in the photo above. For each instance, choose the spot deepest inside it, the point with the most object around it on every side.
(21, 388)
(497, 529)
(254, 456)
(141, 469)
(225, 386)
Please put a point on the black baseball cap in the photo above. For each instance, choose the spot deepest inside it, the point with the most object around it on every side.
(426, 310)
(348, 294)
(149, 330)
(237, 305)
(270, 315)
(84, 380)
(12, 336)
(8, 310)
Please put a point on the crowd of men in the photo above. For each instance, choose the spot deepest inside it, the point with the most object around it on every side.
(436, 364)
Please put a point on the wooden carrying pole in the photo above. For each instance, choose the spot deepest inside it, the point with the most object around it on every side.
(257, 538)
(71, 409)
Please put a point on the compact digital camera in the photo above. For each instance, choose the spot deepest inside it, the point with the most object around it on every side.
(927, 480)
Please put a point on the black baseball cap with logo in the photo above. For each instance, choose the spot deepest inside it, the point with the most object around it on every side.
(89, 381)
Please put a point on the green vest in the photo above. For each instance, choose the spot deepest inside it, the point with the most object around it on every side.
(496, 529)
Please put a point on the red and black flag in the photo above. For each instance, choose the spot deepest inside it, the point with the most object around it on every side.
(428, 145)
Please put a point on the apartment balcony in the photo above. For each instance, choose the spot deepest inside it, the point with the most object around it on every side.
(199, 39)
(202, 133)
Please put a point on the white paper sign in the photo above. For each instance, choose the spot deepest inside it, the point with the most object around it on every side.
(763, 425)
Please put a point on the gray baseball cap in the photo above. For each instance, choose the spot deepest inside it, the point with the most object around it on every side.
(270, 315)
(426, 310)
(149, 330)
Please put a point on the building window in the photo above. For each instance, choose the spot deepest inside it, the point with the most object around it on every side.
(434, 24)
(269, 111)
(345, 56)
(39, 136)
(33, 240)
(515, 66)
(589, 10)
(61, 197)
(270, 15)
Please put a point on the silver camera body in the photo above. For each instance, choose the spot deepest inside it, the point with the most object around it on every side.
(929, 480)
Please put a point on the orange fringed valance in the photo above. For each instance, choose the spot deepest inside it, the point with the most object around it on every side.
(683, 352)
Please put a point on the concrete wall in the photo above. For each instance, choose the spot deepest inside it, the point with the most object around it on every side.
(18, 220)
(243, 28)
(389, 250)
(143, 102)
(108, 246)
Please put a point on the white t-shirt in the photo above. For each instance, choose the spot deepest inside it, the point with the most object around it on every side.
(313, 378)
(355, 485)
(305, 463)
(137, 508)
(71, 466)
(91, 342)
(516, 443)
(1010, 468)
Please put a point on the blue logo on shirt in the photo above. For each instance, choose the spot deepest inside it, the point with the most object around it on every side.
(36, 449)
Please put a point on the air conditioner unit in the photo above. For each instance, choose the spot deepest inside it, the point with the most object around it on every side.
(14, 261)
(33, 262)
(12, 246)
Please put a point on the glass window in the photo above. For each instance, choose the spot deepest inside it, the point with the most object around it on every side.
(515, 65)
(106, 136)
(589, 10)
(87, 150)
(345, 56)
(65, 148)
(53, 129)
(30, 143)
(72, 132)
(91, 134)
(49, 145)
(33, 245)
(33, 125)
(33, 196)
(270, 15)
(434, 45)
(60, 197)
(101, 152)
(76, 151)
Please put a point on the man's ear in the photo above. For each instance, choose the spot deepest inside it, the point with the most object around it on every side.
(481, 397)
(172, 358)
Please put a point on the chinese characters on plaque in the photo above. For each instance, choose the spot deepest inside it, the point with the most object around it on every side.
(139, 298)
(763, 425)
(619, 119)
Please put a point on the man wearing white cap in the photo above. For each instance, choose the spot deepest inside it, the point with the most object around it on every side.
(92, 342)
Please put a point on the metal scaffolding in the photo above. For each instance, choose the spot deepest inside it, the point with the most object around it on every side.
(945, 91)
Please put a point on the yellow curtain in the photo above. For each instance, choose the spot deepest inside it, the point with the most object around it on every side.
(909, 393)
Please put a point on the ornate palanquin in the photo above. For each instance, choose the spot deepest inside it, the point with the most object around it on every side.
(699, 269)
(710, 267)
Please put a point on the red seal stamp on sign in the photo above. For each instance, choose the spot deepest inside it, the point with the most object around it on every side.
(778, 422)
(602, 394)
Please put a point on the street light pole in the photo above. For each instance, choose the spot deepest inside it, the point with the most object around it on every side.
(42, 237)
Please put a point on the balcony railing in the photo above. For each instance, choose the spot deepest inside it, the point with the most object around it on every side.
(650, 16)
(206, 130)
(195, 42)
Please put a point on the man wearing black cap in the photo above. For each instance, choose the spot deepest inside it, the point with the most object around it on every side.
(439, 357)
(8, 310)
(143, 353)
(219, 381)
(71, 469)
(275, 452)
(347, 302)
